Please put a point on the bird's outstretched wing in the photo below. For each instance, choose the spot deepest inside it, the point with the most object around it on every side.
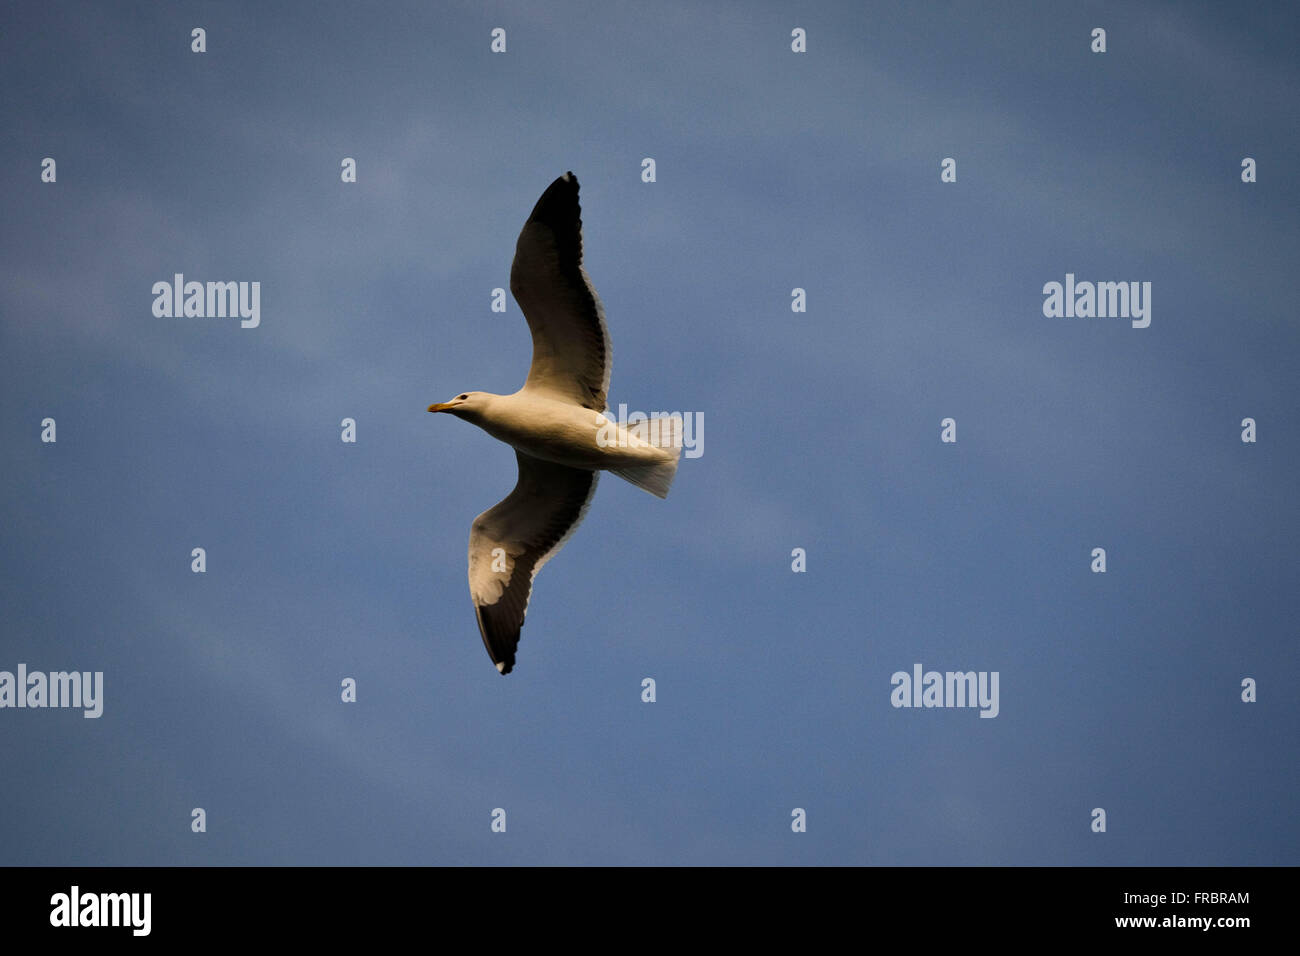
(571, 350)
(509, 543)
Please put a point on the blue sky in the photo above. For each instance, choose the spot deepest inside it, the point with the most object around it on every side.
(775, 170)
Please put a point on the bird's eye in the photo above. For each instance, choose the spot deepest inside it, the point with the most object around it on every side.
(463, 397)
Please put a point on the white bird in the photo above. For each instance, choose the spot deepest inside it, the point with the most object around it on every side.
(555, 423)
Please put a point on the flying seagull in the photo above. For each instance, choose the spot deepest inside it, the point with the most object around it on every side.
(555, 423)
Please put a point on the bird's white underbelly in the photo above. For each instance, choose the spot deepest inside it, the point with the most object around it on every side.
(569, 435)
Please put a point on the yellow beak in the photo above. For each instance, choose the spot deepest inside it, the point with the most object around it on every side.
(441, 406)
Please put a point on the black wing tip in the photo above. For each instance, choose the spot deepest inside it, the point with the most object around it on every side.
(499, 644)
(558, 206)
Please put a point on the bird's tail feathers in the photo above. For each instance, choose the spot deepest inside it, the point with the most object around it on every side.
(662, 432)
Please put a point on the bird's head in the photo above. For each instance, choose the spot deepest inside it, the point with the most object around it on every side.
(467, 405)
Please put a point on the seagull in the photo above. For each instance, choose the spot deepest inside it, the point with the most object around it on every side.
(556, 424)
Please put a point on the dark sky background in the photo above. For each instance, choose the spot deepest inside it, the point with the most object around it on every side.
(775, 170)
